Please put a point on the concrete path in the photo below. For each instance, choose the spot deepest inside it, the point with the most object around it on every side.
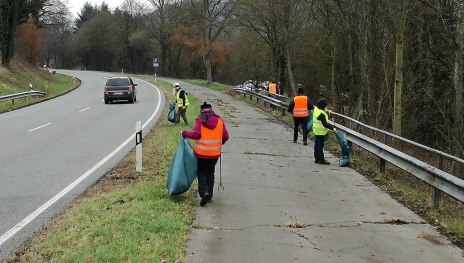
(278, 206)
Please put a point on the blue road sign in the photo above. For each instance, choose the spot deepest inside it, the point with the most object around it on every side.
(155, 62)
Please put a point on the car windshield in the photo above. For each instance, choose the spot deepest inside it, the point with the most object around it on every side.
(118, 82)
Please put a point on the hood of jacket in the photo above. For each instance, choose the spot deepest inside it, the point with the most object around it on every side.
(322, 103)
(209, 118)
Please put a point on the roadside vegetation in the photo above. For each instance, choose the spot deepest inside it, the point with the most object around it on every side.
(126, 216)
(17, 80)
(405, 188)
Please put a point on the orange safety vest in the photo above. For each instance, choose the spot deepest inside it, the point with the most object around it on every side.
(273, 88)
(210, 142)
(301, 106)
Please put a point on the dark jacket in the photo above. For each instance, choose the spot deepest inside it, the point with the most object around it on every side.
(208, 119)
(322, 104)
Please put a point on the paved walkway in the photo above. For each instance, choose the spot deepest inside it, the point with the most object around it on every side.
(278, 206)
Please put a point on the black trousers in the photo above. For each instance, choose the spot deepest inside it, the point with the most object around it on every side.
(304, 122)
(205, 175)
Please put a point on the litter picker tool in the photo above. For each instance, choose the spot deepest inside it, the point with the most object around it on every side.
(220, 174)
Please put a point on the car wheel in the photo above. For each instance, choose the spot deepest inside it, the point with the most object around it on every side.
(106, 101)
(131, 100)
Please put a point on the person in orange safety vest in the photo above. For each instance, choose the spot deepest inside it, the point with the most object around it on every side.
(300, 107)
(209, 133)
(272, 88)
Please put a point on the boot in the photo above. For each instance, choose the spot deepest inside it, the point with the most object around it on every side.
(316, 158)
(322, 160)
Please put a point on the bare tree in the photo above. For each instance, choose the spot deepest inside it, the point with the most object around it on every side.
(212, 17)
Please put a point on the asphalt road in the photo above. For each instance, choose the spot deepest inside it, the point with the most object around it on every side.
(52, 151)
(278, 206)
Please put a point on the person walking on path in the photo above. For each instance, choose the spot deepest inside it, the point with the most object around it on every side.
(209, 133)
(320, 129)
(300, 107)
(182, 104)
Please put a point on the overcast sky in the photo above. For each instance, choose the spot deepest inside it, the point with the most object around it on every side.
(75, 6)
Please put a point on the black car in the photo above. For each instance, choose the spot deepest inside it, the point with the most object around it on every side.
(120, 88)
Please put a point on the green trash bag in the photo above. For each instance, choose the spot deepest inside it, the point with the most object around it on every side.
(309, 126)
(346, 150)
(172, 112)
(183, 169)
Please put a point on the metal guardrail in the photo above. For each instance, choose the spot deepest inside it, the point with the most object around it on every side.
(435, 177)
(13, 97)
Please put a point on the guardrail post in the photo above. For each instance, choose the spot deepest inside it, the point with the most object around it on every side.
(382, 161)
(436, 194)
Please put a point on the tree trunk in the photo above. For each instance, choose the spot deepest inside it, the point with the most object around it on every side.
(397, 106)
(8, 42)
(292, 91)
(207, 63)
(458, 88)
(333, 78)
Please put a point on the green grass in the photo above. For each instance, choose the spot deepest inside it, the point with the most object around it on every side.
(215, 85)
(126, 217)
(12, 82)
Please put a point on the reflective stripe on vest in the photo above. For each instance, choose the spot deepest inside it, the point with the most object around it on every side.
(301, 106)
(210, 142)
(179, 100)
(273, 88)
(318, 128)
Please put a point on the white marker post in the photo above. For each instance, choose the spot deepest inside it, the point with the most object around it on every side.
(138, 147)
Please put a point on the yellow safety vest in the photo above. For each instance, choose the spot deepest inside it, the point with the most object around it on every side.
(179, 100)
(318, 128)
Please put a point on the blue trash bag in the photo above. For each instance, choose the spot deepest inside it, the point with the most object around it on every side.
(346, 150)
(309, 126)
(183, 169)
(172, 112)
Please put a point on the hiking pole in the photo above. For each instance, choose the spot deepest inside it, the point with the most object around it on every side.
(220, 174)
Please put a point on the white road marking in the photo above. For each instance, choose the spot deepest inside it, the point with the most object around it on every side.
(68, 188)
(40, 127)
(84, 109)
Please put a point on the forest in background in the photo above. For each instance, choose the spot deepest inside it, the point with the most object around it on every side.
(393, 64)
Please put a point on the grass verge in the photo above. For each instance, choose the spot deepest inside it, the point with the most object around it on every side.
(18, 80)
(411, 192)
(126, 216)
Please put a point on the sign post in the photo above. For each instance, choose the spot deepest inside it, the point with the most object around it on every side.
(138, 147)
(155, 65)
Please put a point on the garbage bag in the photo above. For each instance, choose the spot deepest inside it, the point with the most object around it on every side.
(309, 126)
(346, 150)
(172, 112)
(183, 169)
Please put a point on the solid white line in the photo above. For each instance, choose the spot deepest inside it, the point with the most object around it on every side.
(68, 188)
(40, 127)
(84, 109)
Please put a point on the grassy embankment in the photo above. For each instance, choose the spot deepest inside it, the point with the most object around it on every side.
(411, 192)
(126, 216)
(18, 80)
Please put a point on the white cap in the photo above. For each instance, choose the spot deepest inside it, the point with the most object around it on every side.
(176, 84)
